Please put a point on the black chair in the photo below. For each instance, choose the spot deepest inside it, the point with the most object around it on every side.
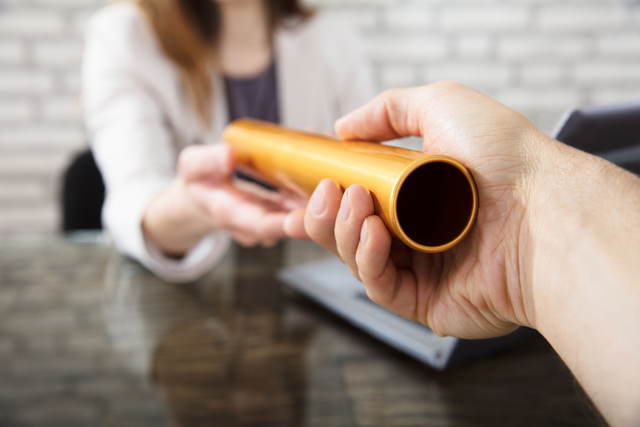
(82, 195)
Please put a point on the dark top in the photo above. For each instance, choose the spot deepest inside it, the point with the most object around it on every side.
(256, 97)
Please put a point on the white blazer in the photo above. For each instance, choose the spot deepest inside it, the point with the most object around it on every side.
(139, 118)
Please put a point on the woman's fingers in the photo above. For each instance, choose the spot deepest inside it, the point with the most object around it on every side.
(356, 205)
(249, 240)
(320, 217)
(211, 163)
(232, 210)
(253, 218)
(294, 224)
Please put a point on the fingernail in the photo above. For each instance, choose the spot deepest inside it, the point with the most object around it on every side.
(317, 204)
(364, 233)
(345, 209)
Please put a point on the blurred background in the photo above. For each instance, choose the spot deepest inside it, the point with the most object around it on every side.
(540, 57)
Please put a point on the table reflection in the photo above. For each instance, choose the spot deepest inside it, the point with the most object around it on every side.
(90, 338)
(222, 351)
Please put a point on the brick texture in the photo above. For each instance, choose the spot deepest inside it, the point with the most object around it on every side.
(540, 57)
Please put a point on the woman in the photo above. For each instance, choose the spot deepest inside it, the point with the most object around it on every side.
(162, 75)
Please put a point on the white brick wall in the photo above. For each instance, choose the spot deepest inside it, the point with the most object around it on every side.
(16, 110)
(12, 52)
(493, 17)
(532, 47)
(586, 17)
(57, 54)
(476, 46)
(29, 22)
(26, 81)
(540, 57)
(40, 118)
(542, 74)
(415, 47)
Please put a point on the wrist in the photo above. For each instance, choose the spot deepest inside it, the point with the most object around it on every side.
(547, 190)
(174, 221)
(582, 272)
(564, 223)
(527, 184)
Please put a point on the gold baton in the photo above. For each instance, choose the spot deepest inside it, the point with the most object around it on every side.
(429, 202)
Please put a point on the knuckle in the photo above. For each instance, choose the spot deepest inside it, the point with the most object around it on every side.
(375, 297)
(269, 243)
(246, 241)
(449, 85)
(389, 93)
(355, 273)
(316, 230)
(270, 233)
(184, 159)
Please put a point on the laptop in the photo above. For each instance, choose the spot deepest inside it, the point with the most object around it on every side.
(330, 283)
(612, 132)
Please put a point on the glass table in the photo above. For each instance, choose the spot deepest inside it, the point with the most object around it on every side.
(90, 338)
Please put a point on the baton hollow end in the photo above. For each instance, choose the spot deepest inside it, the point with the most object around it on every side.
(435, 204)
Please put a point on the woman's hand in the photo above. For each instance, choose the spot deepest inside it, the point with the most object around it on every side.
(204, 198)
(474, 290)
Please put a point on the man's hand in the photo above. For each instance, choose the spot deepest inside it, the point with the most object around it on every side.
(473, 290)
(555, 246)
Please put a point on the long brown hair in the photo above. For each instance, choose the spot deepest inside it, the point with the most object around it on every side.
(188, 32)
